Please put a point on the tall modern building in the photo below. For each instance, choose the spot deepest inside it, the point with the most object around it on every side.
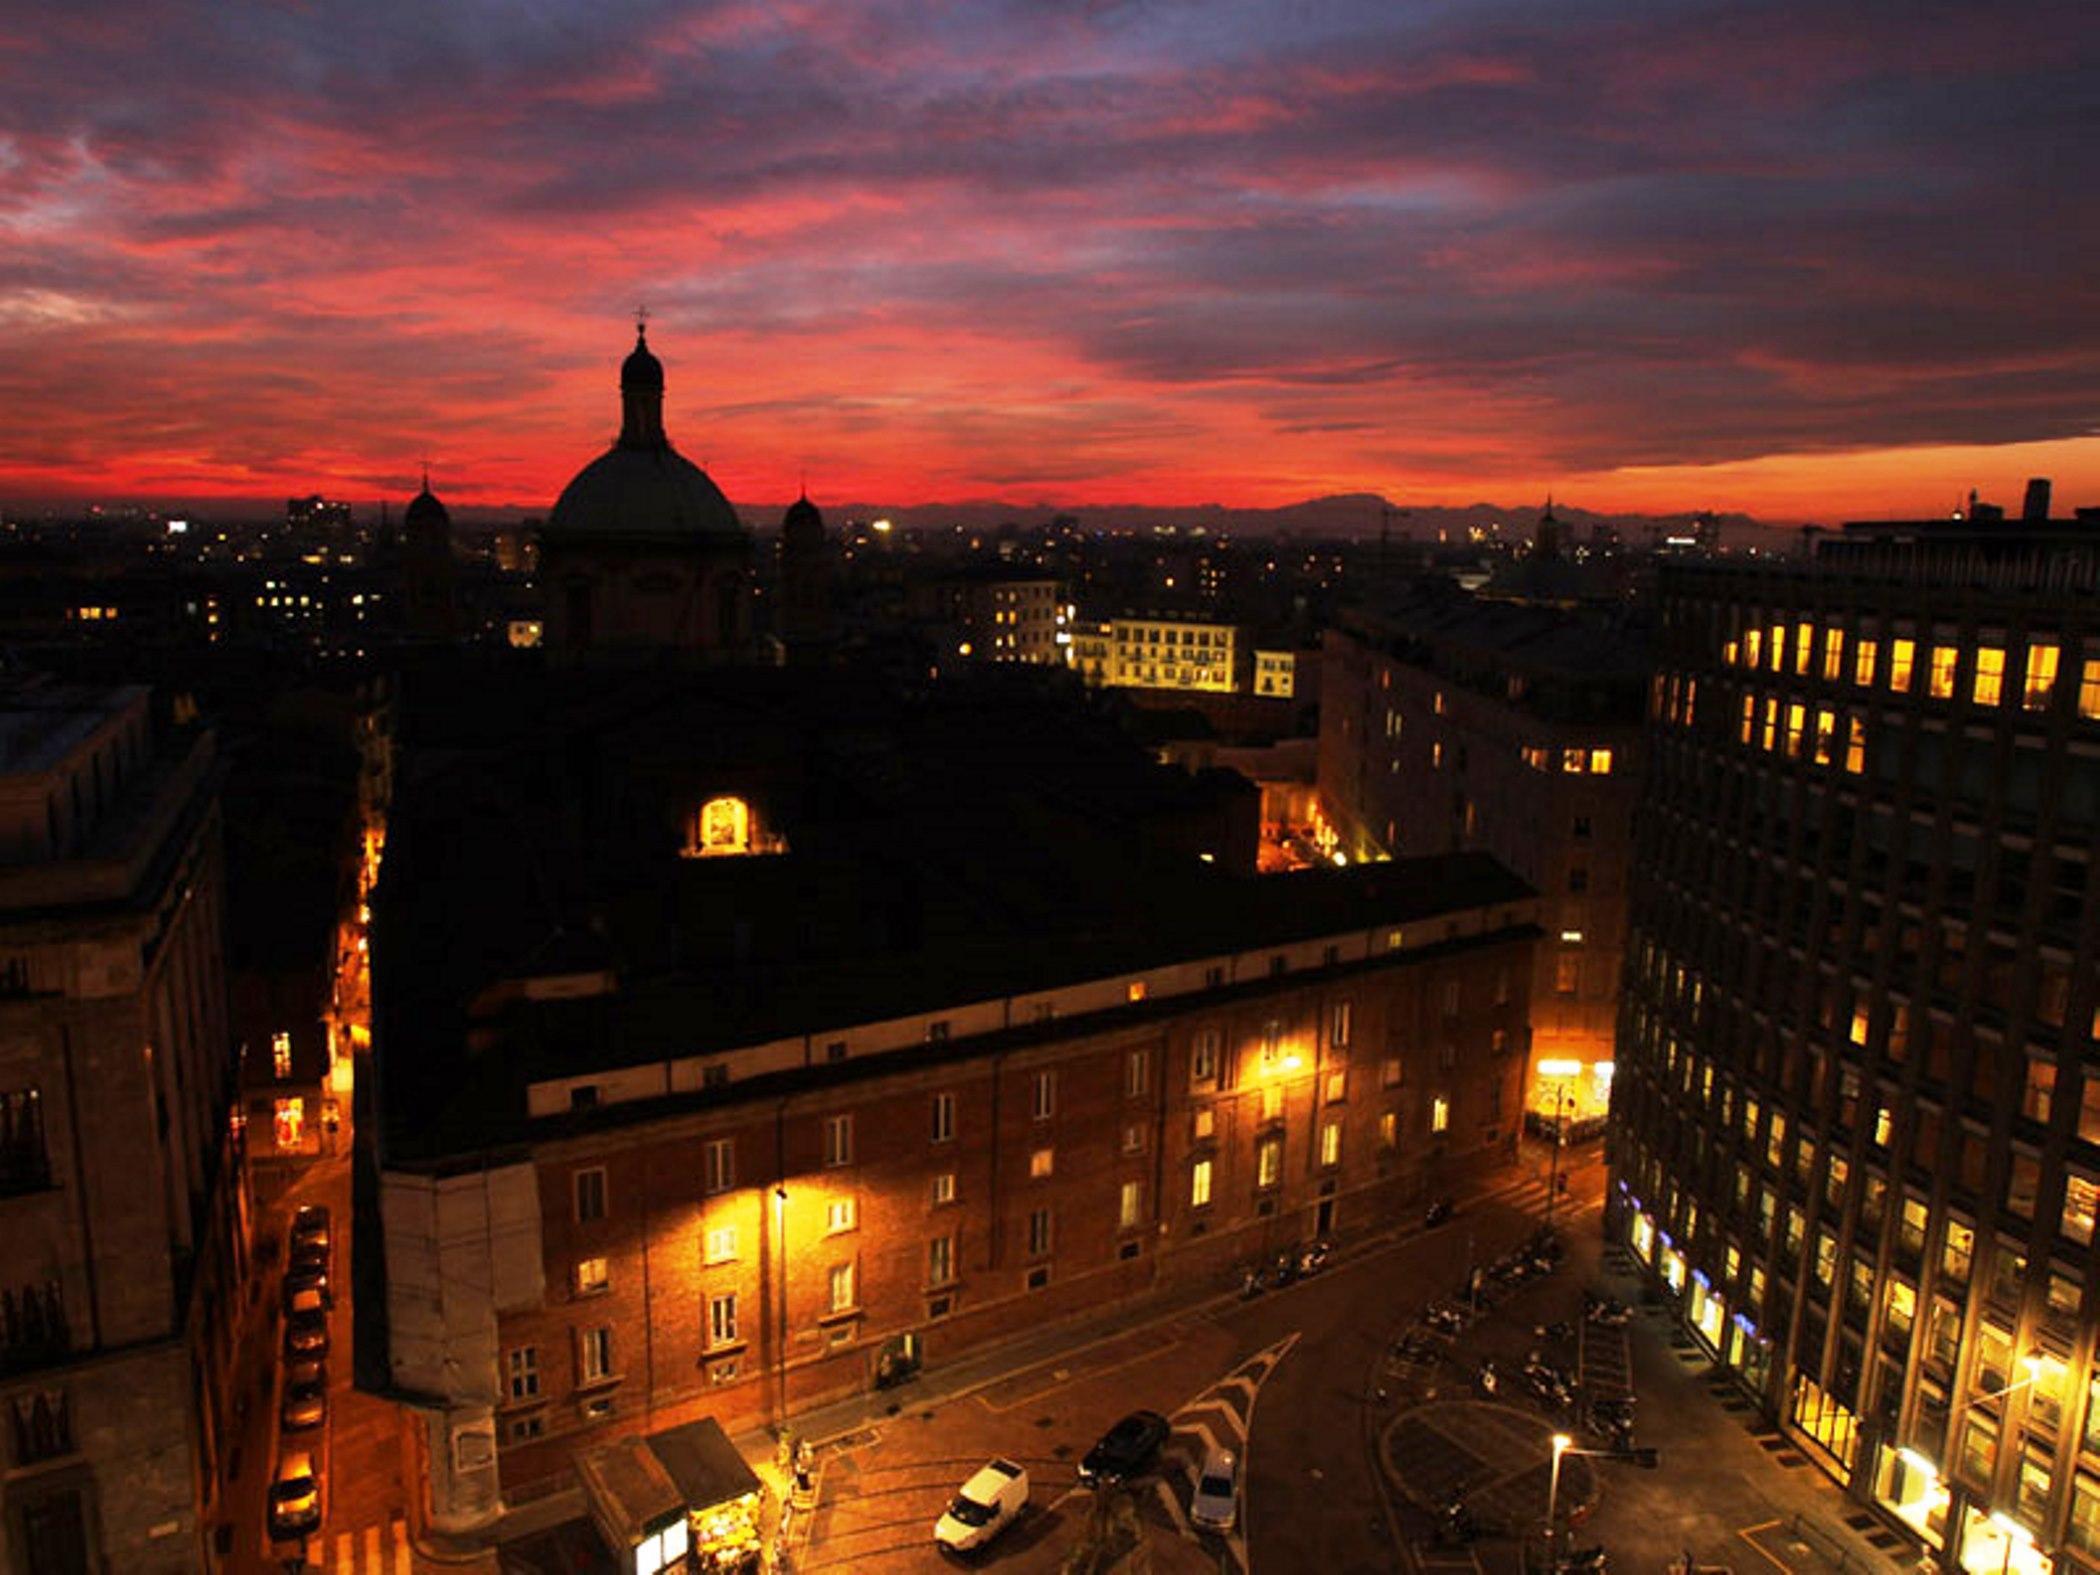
(121, 1205)
(1856, 1129)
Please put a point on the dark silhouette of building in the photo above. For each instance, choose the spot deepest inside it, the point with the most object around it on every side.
(643, 555)
(429, 590)
(805, 623)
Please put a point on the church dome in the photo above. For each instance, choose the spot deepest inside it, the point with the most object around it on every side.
(425, 511)
(803, 521)
(642, 487)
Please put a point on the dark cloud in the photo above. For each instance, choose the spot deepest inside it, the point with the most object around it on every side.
(1551, 237)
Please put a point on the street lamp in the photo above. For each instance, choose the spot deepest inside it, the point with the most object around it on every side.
(780, 1355)
(1562, 1443)
(1561, 1072)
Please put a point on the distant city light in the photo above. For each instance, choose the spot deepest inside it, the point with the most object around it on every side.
(178, 527)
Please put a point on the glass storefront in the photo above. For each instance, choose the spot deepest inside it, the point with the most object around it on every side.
(1826, 1423)
(1709, 1314)
(1908, 1486)
(1640, 1234)
(1672, 1265)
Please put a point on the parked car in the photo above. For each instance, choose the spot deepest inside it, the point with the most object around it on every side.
(295, 1498)
(1215, 1504)
(305, 1402)
(1125, 1449)
(307, 1277)
(309, 1220)
(306, 1326)
(987, 1504)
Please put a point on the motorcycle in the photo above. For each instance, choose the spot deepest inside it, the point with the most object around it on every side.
(1314, 1258)
(1251, 1282)
(1285, 1269)
(1439, 1211)
(1490, 1380)
(1607, 1312)
(1560, 1333)
(1444, 1320)
(1584, 1561)
(1548, 1384)
(1455, 1523)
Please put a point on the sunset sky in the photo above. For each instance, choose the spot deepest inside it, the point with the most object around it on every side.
(1810, 259)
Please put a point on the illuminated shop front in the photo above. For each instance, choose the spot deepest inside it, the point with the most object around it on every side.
(1827, 1423)
(1567, 1088)
(1707, 1313)
(1671, 1263)
(1747, 1351)
(1640, 1233)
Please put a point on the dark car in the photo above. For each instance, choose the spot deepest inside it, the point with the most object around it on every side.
(310, 1219)
(305, 1396)
(295, 1498)
(1125, 1449)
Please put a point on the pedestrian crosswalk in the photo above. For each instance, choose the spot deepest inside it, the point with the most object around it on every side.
(371, 1550)
(1218, 1417)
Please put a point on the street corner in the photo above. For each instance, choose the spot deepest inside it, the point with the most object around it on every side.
(1496, 1460)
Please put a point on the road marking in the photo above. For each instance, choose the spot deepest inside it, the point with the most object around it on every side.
(1172, 1500)
(403, 1563)
(345, 1556)
(1749, 1535)
(372, 1563)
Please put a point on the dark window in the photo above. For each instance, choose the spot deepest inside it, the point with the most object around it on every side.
(25, 1166)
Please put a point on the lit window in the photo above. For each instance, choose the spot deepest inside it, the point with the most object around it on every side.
(1833, 654)
(1771, 723)
(1130, 1205)
(1203, 1124)
(2040, 682)
(1600, 762)
(1804, 645)
(940, 1260)
(1884, 1123)
(1272, 1102)
(1902, 653)
(839, 1288)
(1856, 748)
(1439, 1114)
(1826, 729)
(1436, 757)
(1749, 717)
(1729, 653)
(1041, 1162)
(1940, 682)
(281, 1055)
(721, 1244)
(1133, 1137)
(1137, 1073)
(1573, 760)
(1388, 1130)
(1268, 1162)
(2089, 691)
(1775, 652)
(720, 826)
(838, 1215)
(944, 1188)
(1863, 663)
(1859, 1025)
(592, 1275)
(1795, 716)
(1338, 1025)
(1135, 990)
(1753, 646)
(290, 1122)
(1199, 1184)
(1988, 687)
(1337, 1087)
(595, 1354)
(1331, 1143)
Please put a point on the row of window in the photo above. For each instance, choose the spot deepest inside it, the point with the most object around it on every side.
(1574, 761)
(1816, 737)
(1982, 671)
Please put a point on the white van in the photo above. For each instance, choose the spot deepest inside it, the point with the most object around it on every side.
(989, 1502)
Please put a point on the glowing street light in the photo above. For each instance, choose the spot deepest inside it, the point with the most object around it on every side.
(1562, 1443)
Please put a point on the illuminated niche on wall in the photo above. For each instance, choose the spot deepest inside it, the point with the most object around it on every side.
(726, 827)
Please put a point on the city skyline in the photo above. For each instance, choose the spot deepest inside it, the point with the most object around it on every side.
(1769, 259)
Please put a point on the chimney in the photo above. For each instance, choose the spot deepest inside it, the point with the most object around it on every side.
(2035, 506)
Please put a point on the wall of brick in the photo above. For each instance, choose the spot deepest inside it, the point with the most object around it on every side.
(1407, 1043)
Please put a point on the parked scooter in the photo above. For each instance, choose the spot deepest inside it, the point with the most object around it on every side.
(1548, 1383)
(1455, 1523)
(1584, 1561)
(1490, 1379)
(1607, 1312)
(1314, 1258)
(1444, 1320)
(1439, 1211)
(1561, 1332)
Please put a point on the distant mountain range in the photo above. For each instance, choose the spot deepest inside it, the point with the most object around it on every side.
(1355, 514)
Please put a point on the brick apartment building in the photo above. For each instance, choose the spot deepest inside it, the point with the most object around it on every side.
(1450, 722)
(746, 1041)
